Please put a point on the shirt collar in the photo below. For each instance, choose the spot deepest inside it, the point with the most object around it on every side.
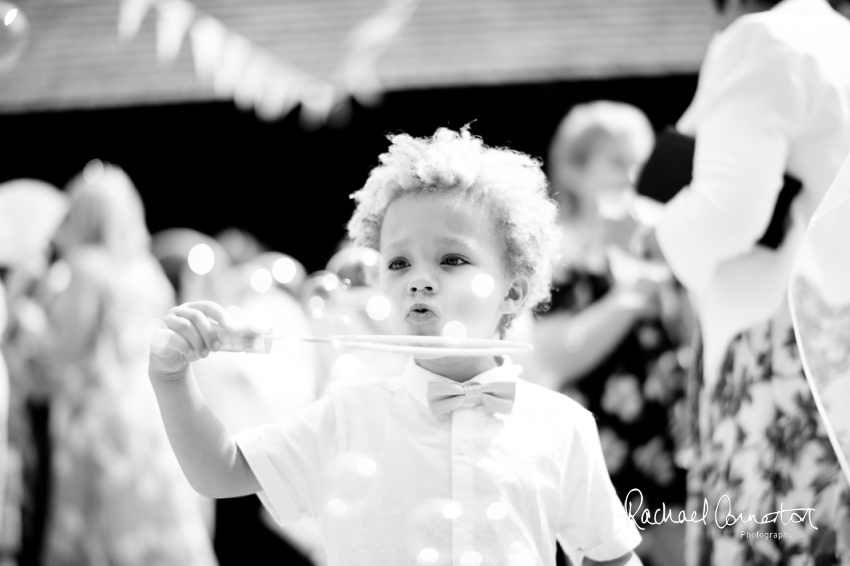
(416, 378)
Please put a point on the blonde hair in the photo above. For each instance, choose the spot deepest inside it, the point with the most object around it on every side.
(586, 125)
(511, 184)
(106, 210)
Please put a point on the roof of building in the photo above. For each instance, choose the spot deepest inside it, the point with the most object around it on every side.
(75, 58)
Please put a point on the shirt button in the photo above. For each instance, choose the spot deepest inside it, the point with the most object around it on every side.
(462, 448)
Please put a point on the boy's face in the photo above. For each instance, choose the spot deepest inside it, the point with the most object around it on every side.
(440, 254)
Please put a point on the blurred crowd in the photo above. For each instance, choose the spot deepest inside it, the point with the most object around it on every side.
(89, 476)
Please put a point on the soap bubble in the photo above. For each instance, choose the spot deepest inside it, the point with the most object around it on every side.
(261, 280)
(497, 511)
(483, 285)
(337, 506)
(427, 557)
(366, 467)
(346, 366)
(454, 332)
(14, 35)
(201, 259)
(451, 510)
(156, 335)
(284, 270)
(378, 307)
(237, 315)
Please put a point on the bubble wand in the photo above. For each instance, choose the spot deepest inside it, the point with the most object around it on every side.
(250, 341)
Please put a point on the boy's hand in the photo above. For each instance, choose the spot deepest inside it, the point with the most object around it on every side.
(186, 335)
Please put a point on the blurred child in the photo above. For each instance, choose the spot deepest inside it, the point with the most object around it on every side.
(457, 461)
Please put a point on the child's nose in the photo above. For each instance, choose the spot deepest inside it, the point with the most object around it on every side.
(422, 282)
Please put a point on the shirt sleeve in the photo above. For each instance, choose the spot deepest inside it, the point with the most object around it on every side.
(594, 522)
(748, 109)
(293, 460)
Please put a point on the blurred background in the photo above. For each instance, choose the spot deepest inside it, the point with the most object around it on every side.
(153, 103)
(206, 150)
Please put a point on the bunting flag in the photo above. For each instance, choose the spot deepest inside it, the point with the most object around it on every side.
(237, 68)
(235, 57)
(368, 41)
(317, 99)
(173, 20)
(281, 92)
(130, 17)
(819, 295)
(249, 89)
(208, 36)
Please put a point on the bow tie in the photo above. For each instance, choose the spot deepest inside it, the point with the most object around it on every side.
(498, 396)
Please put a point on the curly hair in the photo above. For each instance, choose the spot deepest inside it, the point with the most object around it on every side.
(510, 184)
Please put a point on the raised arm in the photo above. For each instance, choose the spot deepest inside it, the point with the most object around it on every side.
(208, 455)
(572, 344)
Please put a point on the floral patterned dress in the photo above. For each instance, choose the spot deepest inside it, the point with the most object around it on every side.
(637, 396)
(762, 448)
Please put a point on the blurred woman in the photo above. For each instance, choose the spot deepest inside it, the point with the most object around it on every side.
(613, 337)
(773, 99)
(117, 495)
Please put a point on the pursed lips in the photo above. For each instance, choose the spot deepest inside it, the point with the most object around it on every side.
(420, 309)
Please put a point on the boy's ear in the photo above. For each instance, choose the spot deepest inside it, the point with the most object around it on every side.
(516, 296)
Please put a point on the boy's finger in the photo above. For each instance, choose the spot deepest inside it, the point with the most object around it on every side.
(201, 323)
(187, 330)
(216, 312)
(168, 339)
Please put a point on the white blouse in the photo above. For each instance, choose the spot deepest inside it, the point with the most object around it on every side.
(773, 97)
(390, 483)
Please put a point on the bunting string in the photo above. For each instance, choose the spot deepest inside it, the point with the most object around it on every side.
(255, 78)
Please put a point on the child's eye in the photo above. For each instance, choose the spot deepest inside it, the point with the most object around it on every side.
(454, 260)
(397, 263)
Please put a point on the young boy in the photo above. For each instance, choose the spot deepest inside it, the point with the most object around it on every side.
(397, 471)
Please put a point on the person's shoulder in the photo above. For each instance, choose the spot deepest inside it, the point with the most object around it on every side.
(551, 405)
(757, 53)
(559, 419)
(753, 33)
(786, 29)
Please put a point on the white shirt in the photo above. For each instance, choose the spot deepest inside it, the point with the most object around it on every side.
(773, 97)
(390, 483)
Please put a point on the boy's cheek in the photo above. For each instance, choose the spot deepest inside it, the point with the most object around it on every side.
(385, 286)
(473, 310)
(395, 297)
